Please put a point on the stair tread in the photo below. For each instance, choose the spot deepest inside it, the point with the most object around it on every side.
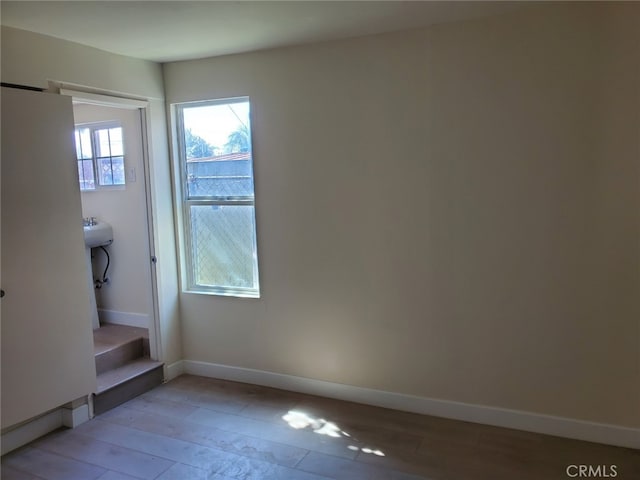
(104, 349)
(120, 375)
(110, 336)
(120, 355)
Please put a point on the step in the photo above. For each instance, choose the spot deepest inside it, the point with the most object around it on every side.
(109, 336)
(119, 355)
(116, 345)
(126, 382)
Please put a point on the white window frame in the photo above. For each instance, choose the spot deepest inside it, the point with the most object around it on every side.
(189, 267)
(93, 127)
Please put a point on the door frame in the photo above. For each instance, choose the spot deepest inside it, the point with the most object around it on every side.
(106, 100)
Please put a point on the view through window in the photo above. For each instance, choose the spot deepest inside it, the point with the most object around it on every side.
(218, 197)
(100, 153)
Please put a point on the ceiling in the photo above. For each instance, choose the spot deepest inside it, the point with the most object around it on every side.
(165, 31)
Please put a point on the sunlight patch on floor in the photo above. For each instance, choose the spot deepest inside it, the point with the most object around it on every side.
(300, 420)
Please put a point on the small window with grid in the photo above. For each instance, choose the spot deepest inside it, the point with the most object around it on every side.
(100, 156)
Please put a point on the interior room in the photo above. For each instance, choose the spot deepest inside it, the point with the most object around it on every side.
(320, 240)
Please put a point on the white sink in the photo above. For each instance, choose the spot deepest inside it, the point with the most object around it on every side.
(98, 235)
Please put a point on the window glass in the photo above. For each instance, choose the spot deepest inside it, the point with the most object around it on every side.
(223, 242)
(100, 154)
(83, 143)
(109, 142)
(216, 162)
(86, 175)
(111, 170)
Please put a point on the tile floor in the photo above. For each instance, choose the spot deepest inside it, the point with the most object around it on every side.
(195, 428)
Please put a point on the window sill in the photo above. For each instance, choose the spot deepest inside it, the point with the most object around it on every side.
(223, 292)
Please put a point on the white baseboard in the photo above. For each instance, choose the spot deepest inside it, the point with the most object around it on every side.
(174, 370)
(72, 417)
(44, 424)
(501, 417)
(124, 318)
(29, 431)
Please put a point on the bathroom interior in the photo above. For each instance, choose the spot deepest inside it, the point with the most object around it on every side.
(110, 155)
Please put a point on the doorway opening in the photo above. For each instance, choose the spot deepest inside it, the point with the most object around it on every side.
(112, 158)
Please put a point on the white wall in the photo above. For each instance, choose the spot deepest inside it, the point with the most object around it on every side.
(34, 60)
(450, 212)
(125, 209)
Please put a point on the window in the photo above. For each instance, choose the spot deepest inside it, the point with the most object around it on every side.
(216, 165)
(100, 154)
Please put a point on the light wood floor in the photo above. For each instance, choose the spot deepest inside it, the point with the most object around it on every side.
(195, 428)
